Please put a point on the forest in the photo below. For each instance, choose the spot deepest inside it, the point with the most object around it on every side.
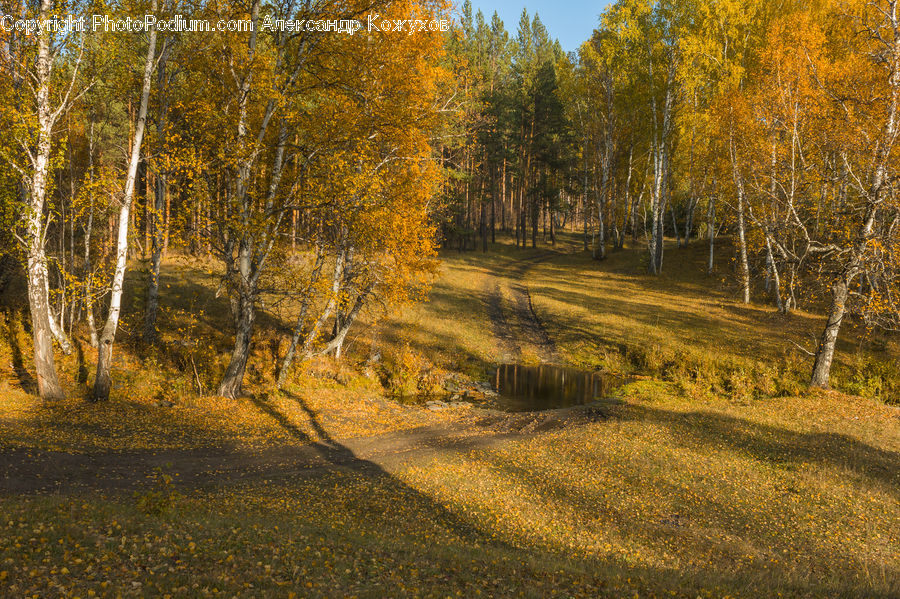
(289, 284)
(772, 124)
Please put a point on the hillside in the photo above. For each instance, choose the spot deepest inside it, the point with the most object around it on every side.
(691, 481)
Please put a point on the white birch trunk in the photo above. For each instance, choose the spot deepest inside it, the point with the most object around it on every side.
(36, 268)
(107, 338)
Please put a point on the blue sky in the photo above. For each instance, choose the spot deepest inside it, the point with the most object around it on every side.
(569, 21)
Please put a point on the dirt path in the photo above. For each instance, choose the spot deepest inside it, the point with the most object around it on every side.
(513, 320)
(510, 352)
(517, 329)
(30, 471)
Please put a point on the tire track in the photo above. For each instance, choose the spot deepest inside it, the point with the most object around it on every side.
(510, 352)
(528, 331)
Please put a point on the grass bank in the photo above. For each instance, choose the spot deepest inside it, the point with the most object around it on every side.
(686, 485)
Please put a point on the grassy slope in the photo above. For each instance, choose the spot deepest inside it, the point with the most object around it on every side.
(689, 329)
(676, 490)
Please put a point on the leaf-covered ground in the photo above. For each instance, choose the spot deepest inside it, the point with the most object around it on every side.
(331, 490)
(663, 499)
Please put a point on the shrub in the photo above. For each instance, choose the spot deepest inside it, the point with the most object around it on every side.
(870, 377)
(406, 372)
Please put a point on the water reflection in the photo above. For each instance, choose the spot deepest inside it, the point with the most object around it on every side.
(532, 388)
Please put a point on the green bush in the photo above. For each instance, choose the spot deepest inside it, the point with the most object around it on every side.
(700, 374)
(870, 377)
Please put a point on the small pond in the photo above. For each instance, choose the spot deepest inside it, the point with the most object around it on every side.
(545, 387)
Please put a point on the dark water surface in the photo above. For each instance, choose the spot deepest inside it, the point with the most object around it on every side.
(533, 388)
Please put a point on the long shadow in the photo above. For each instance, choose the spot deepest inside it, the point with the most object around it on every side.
(721, 433)
(337, 454)
(286, 465)
(680, 529)
(684, 324)
(26, 381)
(81, 377)
(775, 445)
(333, 453)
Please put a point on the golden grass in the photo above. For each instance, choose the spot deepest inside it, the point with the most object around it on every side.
(452, 329)
(690, 329)
(728, 499)
(673, 489)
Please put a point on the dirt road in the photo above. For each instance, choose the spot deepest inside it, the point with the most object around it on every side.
(516, 326)
(32, 471)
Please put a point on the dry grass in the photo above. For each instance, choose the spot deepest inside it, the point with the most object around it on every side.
(674, 489)
(690, 329)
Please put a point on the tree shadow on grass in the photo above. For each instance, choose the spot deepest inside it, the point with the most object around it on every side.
(355, 489)
(775, 445)
(12, 318)
(335, 454)
(82, 374)
(723, 525)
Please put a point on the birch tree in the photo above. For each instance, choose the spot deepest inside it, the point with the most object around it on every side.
(41, 77)
(160, 188)
(108, 334)
(861, 256)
